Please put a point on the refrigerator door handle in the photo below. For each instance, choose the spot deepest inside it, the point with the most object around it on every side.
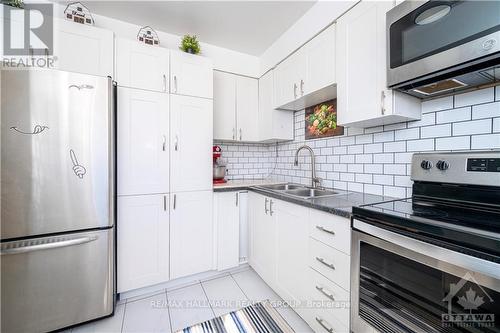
(47, 246)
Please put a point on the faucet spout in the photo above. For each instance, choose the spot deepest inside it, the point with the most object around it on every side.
(314, 180)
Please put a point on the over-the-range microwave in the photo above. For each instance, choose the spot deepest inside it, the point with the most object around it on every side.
(443, 47)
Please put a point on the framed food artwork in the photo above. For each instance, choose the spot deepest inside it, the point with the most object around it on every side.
(321, 121)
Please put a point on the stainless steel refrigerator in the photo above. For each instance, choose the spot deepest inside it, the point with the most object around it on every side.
(57, 199)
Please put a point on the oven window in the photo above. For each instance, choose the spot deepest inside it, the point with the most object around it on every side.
(397, 294)
(441, 25)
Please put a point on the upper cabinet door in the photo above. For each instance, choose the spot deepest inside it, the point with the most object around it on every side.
(320, 61)
(141, 66)
(143, 148)
(83, 49)
(247, 108)
(191, 140)
(191, 231)
(287, 79)
(191, 75)
(360, 62)
(224, 106)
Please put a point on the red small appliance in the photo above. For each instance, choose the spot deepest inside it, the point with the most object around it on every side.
(219, 169)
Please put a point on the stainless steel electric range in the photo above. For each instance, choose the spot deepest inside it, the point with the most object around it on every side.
(431, 263)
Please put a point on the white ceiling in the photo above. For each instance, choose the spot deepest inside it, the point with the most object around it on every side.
(245, 26)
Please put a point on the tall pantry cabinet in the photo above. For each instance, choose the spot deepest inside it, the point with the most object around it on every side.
(164, 164)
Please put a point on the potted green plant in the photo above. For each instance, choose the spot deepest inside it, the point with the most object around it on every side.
(190, 44)
(15, 3)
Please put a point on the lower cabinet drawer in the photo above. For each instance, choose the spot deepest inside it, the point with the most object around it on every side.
(321, 322)
(331, 229)
(332, 263)
(326, 295)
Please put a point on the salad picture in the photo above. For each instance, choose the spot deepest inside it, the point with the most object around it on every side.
(321, 121)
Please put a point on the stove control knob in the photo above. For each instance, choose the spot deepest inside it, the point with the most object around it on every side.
(426, 165)
(442, 165)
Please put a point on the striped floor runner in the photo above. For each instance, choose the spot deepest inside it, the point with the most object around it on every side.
(258, 318)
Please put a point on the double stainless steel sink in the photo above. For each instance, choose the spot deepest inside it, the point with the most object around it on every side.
(300, 191)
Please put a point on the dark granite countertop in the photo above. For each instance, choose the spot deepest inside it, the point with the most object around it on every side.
(340, 205)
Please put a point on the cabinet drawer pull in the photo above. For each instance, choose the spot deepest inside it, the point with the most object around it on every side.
(321, 260)
(165, 203)
(271, 212)
(175, 201)
(237, 196)
(326, 293)
(265, 206)
(324, 324)
(320, 227)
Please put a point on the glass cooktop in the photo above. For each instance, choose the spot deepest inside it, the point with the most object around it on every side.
(467, 228)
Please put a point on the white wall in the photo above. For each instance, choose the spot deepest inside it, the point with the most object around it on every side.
(224, 59)
(321, 15)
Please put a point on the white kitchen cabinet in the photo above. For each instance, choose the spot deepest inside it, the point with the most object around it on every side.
(227, 222)
(319, 54)
(142, 241)
(307, 77)
(224, 106)
(274, 125)
(262, 227)
(236, 107)
(141, 66)
(291, 249)
(191, 133)
(142, 142)
(191, 231)
(288, 77)
(363, 99)
(191, 75)
(247, 108)
(83, 49)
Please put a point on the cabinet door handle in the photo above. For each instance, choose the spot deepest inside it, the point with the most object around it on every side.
(324, 324)
(176, 143)
(237, 196)
(164, 83)
(321, 260)
(234, 133)
(241, 136)
(320, 227)
(175, 201)
(325, 292)
(295, 90)
(382, 102)
(175, 83)
(165, 203)
(265, 206)
(301, 87)
(164, 145)
(271, 207)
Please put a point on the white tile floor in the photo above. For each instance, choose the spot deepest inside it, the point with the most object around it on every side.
(172, 310)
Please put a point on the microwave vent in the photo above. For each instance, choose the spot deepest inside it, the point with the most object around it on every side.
(439, 87)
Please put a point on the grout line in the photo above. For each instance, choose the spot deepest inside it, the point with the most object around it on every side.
(209, 302)
(123, 318)
(168, 310)
(246, 296)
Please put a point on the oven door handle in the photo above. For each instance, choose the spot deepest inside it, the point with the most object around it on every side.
(442, 254)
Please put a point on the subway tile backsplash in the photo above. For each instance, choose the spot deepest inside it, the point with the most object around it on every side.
(375, 160)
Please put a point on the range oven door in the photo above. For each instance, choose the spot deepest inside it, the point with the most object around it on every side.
(400, 284)
(424, 37)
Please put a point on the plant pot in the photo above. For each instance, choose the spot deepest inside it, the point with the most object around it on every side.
(190, 50)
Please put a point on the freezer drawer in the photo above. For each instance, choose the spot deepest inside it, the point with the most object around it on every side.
(53, 282)
(56, 152)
